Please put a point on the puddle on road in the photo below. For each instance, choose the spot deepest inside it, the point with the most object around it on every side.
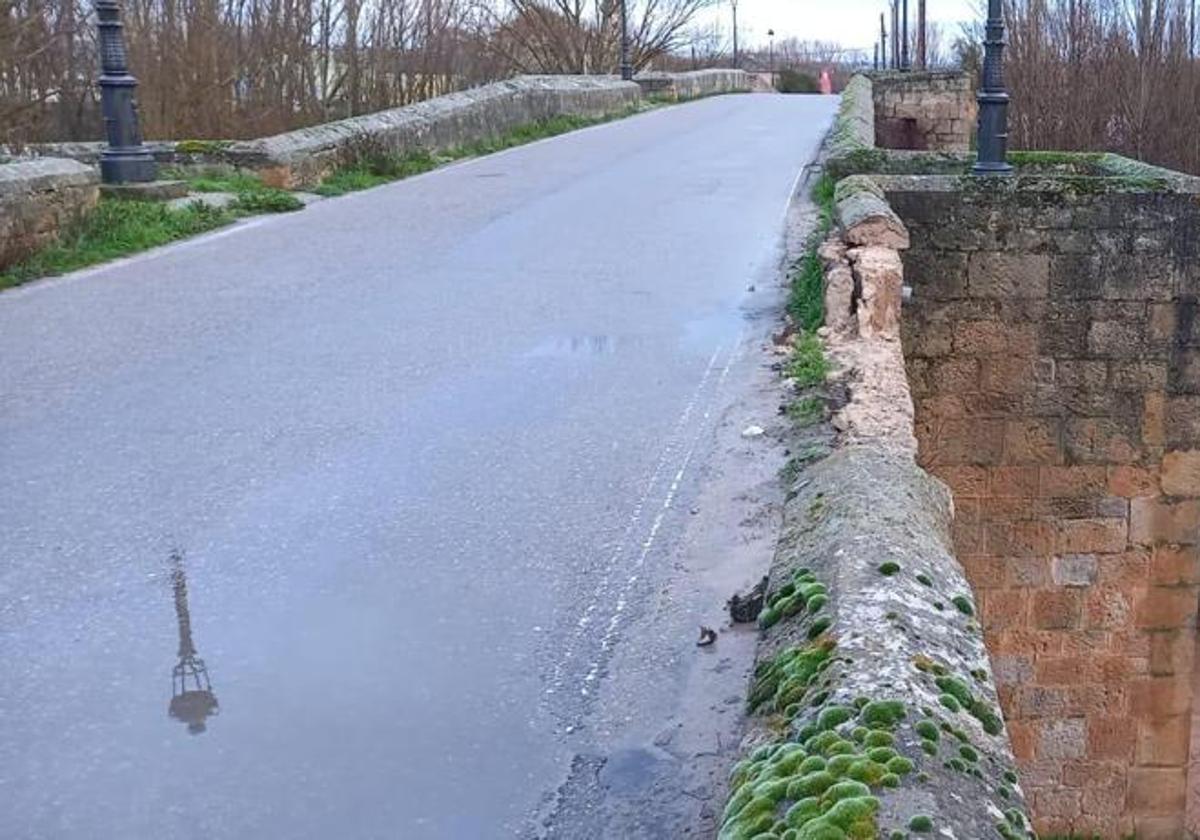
(634, 770)
(575, 345)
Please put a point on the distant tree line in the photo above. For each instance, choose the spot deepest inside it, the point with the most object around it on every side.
(1115, 75)
(244, 68)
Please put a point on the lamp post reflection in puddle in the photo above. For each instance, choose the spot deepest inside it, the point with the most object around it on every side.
(192, 698)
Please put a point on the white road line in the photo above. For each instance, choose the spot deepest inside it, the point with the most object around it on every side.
(635, 517)
(610, 632)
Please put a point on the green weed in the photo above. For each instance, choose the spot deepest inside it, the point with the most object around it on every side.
(115, 229)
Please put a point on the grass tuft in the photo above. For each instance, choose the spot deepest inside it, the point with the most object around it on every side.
(115, 229)
(808, 365)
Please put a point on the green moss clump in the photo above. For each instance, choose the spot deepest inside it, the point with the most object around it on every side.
(881, 754)
(890, 780)
(840, 763)
(927, 730)
(803, 811)
(833, 715)
(883, 714)
(814, 784)
(769, 618)
(949, 702)
(783, 680)
(990, 721)
(968, 752)
(866, 771)
(900, 765)
(957, 687)
(200, 147)
(889, 568)
(785, 591)
(854, 814)
(1022, 159)
(840, 747)
(1010, 777)
(821, 741)
(923, 579)
(818, 627)
(817, 601)
(811, 765)
(879, 738)
(844, 790)
(920, 824)
(820, 829)
(963, 603)
(929, 747)
(939, 606)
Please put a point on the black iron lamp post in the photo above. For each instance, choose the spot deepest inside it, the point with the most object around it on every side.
(126, 159)
(992, 137)
(626, 64)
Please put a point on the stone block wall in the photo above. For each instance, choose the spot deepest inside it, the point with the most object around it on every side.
(1053, 350)
(38, 198)
(694, 84)
(931, 110)
(303, 157)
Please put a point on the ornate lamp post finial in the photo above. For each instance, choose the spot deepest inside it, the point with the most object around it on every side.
(126, 159)
(992, 137)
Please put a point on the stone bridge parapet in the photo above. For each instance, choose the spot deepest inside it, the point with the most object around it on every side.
(1052, 351)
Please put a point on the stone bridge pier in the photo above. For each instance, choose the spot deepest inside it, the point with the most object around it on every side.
(1053, 352)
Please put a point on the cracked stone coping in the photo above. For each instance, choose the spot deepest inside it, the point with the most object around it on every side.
(41, 174)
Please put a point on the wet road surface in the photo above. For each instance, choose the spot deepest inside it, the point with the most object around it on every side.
(384, 487)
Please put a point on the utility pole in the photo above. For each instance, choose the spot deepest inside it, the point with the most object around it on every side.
(922, 59)
(626, 66)
(126, 159)
(882, 43)
(733, 5)
(875, 63)
(905, 63)
(896, 34)
(992, 139)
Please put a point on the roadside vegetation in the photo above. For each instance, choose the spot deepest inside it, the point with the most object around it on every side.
(807, 365)
(373, 166)
(252, 195)
(118, 228)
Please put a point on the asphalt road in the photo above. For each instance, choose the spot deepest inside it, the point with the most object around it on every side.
(422, 453)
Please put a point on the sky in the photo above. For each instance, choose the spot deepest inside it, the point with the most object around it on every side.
(853, 23)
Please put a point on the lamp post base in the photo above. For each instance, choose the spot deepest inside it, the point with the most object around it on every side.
(127, 166)
(987, 167)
